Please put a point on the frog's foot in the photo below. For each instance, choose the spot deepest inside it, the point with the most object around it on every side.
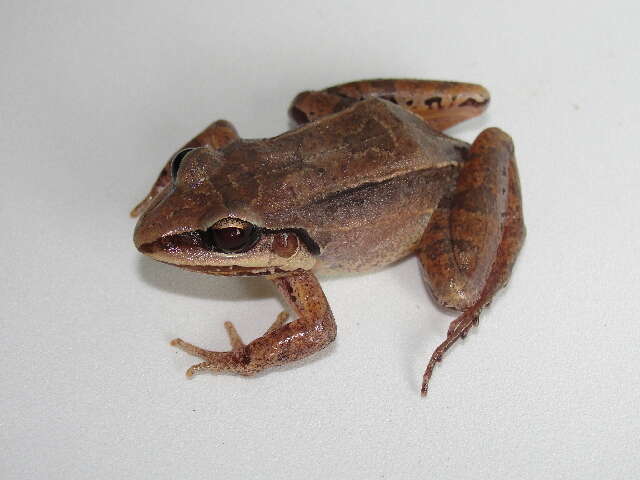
(283, 342)
(234, 361)
(457, 329)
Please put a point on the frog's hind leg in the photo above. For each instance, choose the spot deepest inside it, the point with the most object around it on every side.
(216, 135)
(473, 238)
(440, 104)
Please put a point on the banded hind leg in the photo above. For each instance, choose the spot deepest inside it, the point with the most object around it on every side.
(440, 104)
(473, 238)
(216, 135)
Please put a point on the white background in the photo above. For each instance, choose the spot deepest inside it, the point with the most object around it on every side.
(94, 96)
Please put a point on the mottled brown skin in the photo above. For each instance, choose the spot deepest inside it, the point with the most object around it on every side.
(440, 104)
(364, 181)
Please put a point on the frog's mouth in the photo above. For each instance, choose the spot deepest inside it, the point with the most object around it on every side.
(235, 270)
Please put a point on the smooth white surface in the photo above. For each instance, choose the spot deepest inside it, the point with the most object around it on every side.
(93, 98)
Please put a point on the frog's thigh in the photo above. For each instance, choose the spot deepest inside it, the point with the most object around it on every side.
(472, 241)
(461, 243)
(216, 135)
(440, 104)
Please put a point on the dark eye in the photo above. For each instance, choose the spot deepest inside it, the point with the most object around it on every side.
(177, 160)
(233, 239)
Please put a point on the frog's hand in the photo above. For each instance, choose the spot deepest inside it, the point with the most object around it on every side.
(284, 342)
(440, 104)
(472, 240)
(216, 135)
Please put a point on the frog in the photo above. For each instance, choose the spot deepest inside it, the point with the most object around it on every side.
(365, 177)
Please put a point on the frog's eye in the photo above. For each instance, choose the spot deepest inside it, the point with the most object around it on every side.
(233, 239)
(177, 160)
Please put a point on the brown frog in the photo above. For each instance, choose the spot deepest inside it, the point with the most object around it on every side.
(366, 179)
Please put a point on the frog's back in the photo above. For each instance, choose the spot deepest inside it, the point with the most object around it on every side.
(362, 183)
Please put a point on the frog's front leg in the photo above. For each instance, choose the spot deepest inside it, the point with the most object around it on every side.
(216, 135)
(313, 330)
(440, 104)
(472, 240)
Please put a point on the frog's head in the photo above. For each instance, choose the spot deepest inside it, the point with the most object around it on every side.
(193, 224)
